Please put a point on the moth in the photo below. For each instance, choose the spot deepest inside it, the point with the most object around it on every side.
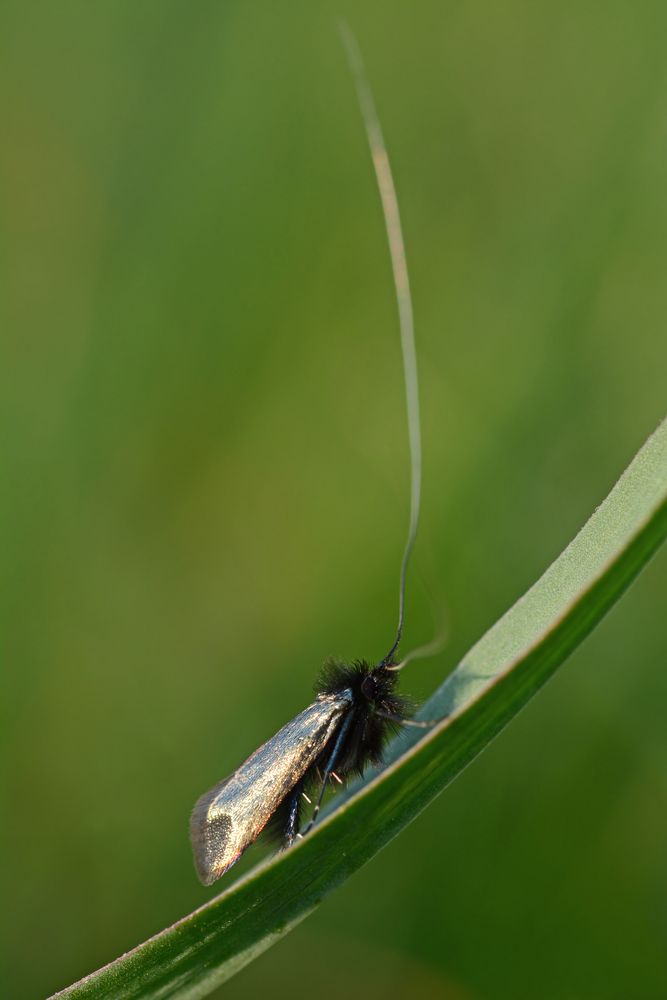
(357, 706)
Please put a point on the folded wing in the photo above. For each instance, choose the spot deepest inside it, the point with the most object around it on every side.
(229, 817)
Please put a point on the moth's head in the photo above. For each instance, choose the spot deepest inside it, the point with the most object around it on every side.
(369, 686)
(378, 684)
(366, 683)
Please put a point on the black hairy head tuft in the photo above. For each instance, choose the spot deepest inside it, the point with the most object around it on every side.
(336, 676)
(377, 708)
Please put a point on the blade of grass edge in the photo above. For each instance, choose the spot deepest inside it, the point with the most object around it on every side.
(491, 684)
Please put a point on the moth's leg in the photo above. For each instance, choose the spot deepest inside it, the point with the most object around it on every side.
(331, 763)
(293, 808)
(417, 723)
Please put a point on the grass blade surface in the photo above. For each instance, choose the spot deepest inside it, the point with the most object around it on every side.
(491, 684)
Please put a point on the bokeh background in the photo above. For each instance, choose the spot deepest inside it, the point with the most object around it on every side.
(204, 464)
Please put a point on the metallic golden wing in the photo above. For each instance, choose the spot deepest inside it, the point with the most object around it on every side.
(230, 816)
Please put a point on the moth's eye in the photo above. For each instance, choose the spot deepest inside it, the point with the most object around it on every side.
(368, 687)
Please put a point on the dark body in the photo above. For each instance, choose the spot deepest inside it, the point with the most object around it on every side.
(356, 710)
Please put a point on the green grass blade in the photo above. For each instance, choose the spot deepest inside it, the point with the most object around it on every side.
(495, 679)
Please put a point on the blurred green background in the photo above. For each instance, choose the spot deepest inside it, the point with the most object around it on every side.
(204, 464)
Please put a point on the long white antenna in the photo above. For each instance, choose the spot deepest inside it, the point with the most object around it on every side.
(392, 221)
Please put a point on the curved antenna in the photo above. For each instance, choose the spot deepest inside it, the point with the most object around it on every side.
(435, 645)
(392, 221)
(424, 652)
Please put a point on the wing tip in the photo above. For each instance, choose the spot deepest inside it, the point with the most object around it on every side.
(213, 848)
